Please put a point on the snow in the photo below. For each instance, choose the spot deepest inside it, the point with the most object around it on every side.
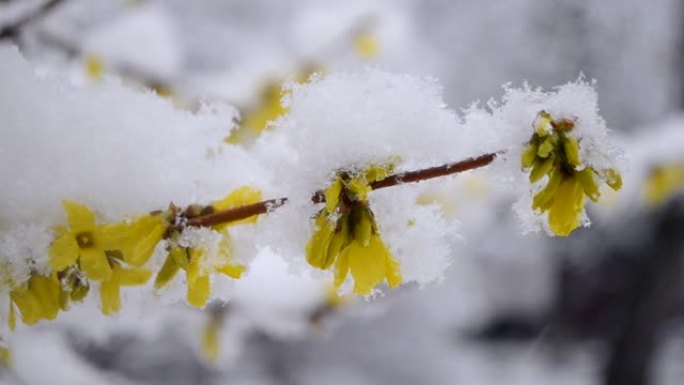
(147, 153)
(344, 121)
(124, 151)
(144, 37)
(69, 148)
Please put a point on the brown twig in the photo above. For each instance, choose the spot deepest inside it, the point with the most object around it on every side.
(237, 213)
(264, 207)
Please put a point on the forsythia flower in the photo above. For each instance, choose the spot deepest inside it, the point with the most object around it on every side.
(554, 152)
(257, 120)
(94, 67)
(198, 269)
(100, 251)
(347, 236)
(663, 181)
(110, 290)
(210, 341)
(5, 357)
(84, 242)
(270, 107)
(331, 301)
(194, 260)
(366, 45)
(39, 298)
(89, 243)
(211, 333)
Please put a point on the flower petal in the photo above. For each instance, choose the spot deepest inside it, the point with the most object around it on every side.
(571, 148)
(144, 249)
(567, 208)
(393, 274)
(198, 291)
(210, 341)
(28, 304)
(95, 265)
(332, 195)
(166, 273)
(234, 271)
(80, 217)
(136, 240)
(198, 280)
(48, 292)
(317, 247)
(63, 252)
(367, 265)
(133, 276)
(242, 196)
(588, 182)
(342, 267)
(110, 295)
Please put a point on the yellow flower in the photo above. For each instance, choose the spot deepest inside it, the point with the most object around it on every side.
(43, 296)
(270, 109)
(110, 289)
(366, 45)
(87, 243)
(662, 182)
(346, 234)
(210, 342)
(100, 251)
(198, 268)
(567, 207)
(554, 153)
(370, 265)
(332, 299)
(94, 67)
(196, 262)
(37, 299)
(84, 242)
(258, 119)
(136, 239)
(5, 357)
(211, 333)
(199, 284)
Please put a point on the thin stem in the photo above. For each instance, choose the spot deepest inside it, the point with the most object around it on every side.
(237, 213)
(266, 206)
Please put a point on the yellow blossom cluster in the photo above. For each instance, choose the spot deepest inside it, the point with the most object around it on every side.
(554, 152)
(196, 262)
(346, 238)
(663, 181)
(346, 234)
(269, 107)
(111, 255)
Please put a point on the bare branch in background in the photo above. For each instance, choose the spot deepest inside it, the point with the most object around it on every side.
(12, 30)
(72, 49)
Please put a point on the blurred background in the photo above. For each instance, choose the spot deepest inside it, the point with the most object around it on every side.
(603, 306)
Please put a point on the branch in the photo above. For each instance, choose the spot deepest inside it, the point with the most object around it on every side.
(11, 30)
(266, 206)
(424, 174)
(237, 213)
(72, 49)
